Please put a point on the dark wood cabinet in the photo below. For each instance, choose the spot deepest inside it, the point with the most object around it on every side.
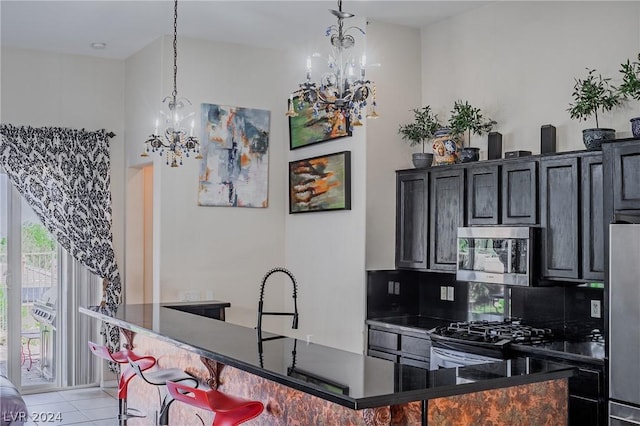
(572, 216)
(519, 192)
(412, 223)
(626, 176)
(593, 229)
(587, 401)
(400, 346)
(446, 214)
(559, 217)
(483, 195)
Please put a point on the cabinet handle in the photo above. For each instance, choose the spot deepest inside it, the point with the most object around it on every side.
(626, 420)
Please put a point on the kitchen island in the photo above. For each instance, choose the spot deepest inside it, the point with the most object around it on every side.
(305, 383)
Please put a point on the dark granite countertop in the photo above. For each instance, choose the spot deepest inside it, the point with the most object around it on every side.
(353, 380)
(585, 352)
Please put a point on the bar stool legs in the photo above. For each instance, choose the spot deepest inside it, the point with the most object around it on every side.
(126, 374)
(160, 378)
(229, 410)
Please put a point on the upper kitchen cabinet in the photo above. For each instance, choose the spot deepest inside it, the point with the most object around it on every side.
(571, 216)
(559, 217)
(625, 162)
(519, 192)
(483, 194)
(591, 190)
(412, 219)
(446, 212)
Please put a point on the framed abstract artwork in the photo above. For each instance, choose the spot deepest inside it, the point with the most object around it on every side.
(320, 183)
(308, 128)
(234, 170)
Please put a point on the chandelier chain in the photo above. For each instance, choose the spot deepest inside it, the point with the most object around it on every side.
(176, 141)
(175, 51)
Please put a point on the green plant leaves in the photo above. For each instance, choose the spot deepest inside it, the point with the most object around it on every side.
(424, 127)
(591, 94)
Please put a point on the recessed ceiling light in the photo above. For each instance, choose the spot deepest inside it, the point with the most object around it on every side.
(99, 46)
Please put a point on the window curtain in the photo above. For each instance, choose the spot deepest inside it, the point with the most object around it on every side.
(64, 175)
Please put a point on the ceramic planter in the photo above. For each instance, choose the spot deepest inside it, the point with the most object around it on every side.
(635, 127)
(593, 138)
(469, 154)
(421, 160)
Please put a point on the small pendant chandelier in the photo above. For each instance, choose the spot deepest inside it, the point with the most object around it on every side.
(339, 90)
(175, 141)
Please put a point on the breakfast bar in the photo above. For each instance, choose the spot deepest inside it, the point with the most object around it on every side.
(309, 383)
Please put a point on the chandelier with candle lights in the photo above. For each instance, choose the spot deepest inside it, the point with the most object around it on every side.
(175, 141)
(339, 91)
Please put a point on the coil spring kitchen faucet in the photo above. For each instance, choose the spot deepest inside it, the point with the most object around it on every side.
(294, 324)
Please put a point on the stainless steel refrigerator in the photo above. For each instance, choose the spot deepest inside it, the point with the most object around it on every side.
(624, 323)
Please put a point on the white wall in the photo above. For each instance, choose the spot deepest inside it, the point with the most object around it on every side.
(398, 78)
(518, 61)
(221, 250)
(49, 89)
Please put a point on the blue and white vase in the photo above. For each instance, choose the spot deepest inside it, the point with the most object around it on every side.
(635, 127)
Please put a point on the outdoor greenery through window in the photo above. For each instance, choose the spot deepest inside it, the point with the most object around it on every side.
(39, 269)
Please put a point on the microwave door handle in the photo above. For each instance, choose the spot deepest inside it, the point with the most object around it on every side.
(509, 256)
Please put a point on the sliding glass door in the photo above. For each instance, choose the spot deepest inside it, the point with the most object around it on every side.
(42, 341)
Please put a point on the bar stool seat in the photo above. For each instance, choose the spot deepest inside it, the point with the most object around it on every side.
(229, 410)
(126, 374)
(159, 378)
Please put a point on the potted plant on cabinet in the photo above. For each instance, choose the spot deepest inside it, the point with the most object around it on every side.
(421, 130)
(591, 94)
(630, 88)
(466, 118)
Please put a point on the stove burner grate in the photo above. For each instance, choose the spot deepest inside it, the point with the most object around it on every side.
(495, 332)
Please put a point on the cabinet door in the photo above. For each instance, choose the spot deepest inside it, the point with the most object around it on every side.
(446, 215)
(626, 177)
(559, 219)
(483, 195)
(591, 189)
(411, 219)
(585, 411)
(519, 193)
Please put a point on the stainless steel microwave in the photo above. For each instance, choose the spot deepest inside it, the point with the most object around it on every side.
(496, 254)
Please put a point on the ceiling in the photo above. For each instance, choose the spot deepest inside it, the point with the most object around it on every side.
(128, 26)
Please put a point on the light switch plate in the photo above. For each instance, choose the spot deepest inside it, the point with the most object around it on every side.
(390, 287)
(396, 289)
(443, 293)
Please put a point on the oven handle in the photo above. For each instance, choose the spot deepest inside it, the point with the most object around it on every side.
(465, 358)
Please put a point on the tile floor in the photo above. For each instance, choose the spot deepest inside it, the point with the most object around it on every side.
(80, 407)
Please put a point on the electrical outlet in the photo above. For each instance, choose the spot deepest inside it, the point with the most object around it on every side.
(595, 309)
(450, 293)
(396, 289)
(390, 287)
(443, 293)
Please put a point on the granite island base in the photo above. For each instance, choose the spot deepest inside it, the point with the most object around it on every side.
(309, 384)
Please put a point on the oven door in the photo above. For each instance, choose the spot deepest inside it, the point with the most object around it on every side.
(449, 358)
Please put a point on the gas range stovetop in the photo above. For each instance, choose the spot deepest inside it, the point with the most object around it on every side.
(495, 332)
(488, 337)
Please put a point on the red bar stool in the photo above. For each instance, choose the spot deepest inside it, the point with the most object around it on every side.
(126, 374)
(160, 378)
(229, 410)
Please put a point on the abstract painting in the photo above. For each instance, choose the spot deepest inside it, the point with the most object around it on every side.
(308, 127)
(234, 170)
(320, 183)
